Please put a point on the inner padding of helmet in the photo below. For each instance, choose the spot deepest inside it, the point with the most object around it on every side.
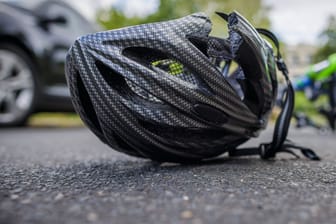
(175, 68)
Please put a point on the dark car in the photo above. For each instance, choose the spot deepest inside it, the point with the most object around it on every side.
(34, 39)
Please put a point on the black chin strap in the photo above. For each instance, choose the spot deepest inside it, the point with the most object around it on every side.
(279, 142)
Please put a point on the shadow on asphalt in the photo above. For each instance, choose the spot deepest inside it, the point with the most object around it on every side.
(125, 174)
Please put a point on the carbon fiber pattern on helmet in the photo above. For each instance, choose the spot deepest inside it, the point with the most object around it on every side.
(144, 110)
(141, 92)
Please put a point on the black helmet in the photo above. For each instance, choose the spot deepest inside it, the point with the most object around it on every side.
(166, 91)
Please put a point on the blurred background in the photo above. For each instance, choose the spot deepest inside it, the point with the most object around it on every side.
(35, 35)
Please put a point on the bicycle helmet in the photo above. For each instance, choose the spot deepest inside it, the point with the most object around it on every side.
(165, 91)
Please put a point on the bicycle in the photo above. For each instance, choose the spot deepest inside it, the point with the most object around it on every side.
(319, 80)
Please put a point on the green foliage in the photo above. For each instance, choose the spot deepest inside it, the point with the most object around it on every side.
(329, 38)
(302, 104)
(55, 120)
(253, 10)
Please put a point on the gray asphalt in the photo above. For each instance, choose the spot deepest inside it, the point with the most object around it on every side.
(51, 175)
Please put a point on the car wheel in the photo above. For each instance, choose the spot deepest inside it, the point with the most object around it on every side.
(18, 89)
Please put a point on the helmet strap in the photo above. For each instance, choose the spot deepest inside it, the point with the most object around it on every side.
(279, 143)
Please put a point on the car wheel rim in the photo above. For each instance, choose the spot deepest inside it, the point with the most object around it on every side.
(16, 87)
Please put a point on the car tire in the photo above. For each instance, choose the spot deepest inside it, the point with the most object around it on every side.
(18, 86)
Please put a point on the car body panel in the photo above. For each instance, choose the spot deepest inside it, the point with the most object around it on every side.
(46, 44)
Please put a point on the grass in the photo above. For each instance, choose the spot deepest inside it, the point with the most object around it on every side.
(302, 104)
(55, 120)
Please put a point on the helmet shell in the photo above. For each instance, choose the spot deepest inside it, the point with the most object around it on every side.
(157, 91)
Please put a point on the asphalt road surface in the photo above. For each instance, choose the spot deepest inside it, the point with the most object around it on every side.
(51, 175)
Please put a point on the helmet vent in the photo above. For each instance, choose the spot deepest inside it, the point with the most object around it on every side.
(186, 134)
(200, 44)
(113, 78)
(126, 88)
(155, 59)
(210, 114)
(84, 98)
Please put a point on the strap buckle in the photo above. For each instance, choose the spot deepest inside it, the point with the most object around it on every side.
(282, 65)
(265, 151)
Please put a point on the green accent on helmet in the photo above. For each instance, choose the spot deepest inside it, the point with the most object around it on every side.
(171, 66)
